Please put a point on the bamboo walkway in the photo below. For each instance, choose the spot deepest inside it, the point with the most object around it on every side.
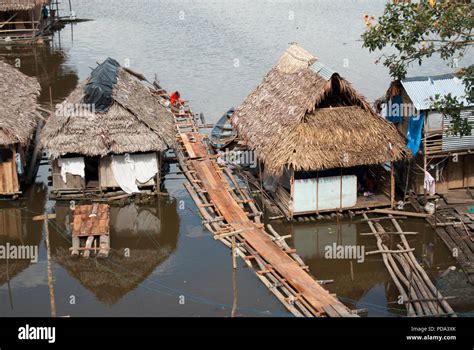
(232, 217)
(454, 224)
(419, 295)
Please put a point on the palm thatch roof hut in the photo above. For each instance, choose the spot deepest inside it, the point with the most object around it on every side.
(20, 19)
(108, 126)
(18, 121)
(305, 123)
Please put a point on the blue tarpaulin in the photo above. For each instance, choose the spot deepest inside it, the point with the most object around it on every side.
(415, 128)
(394, 110)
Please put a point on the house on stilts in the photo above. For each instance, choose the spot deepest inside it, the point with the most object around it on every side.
(21, 20)
(19, 120)
(441, 160)
(109, 135)
(320, 145)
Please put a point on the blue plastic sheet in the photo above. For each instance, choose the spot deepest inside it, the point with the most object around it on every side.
(415, 127)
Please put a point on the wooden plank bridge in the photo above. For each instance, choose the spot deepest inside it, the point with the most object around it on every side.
(230, 214)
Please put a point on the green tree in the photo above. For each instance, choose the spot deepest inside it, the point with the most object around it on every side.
(421, 30)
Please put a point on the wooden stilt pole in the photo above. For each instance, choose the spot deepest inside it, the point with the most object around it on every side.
(392, 186)
(234, 260)
(234, 289)
(340, 192)
(50, 270)
(9, 286)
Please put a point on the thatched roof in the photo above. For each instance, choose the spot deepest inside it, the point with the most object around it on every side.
(135, 122)
(21, 5)
(18, 105)
(112, 278)
(304, 115)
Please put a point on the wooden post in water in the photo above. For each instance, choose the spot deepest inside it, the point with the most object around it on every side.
(234, 260)
(50, 270)
(234, 289)
(340, 192)
(33, 29)
(392, 186)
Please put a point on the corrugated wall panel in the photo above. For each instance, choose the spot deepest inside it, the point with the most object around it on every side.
(457, 143)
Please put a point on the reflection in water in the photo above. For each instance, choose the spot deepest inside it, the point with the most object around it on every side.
(141, 237)
(17, 228)
(48, 64)
(353, 281)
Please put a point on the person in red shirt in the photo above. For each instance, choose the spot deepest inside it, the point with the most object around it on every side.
(174, 98)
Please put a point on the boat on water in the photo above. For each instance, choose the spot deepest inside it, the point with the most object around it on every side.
(223, 133)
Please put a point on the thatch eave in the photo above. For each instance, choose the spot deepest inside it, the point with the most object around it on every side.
(18, 105)
(339, 137)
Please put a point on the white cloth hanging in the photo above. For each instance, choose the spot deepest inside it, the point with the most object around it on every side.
(146, 166)
(132, 168)
(124, 173)
(429, 184)
(73, 166)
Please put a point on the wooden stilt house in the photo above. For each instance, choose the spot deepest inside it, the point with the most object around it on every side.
(19, 117)
(320, 144)
(108, 135)
(21, 19)
(438, 154)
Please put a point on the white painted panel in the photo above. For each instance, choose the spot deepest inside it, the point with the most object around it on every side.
(328, 188)
(304, 195)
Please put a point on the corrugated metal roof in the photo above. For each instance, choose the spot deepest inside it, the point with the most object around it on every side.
(322, 70)
(421, 89)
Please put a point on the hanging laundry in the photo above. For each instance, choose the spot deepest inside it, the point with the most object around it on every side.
(415, 128)
(73, 166)
(124, 173)
(146, 166)
(133, 169)
(429, 183)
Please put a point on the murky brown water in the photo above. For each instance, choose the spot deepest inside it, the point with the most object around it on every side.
(215, 52)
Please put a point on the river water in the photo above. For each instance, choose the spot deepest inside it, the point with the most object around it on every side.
(215, 53)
